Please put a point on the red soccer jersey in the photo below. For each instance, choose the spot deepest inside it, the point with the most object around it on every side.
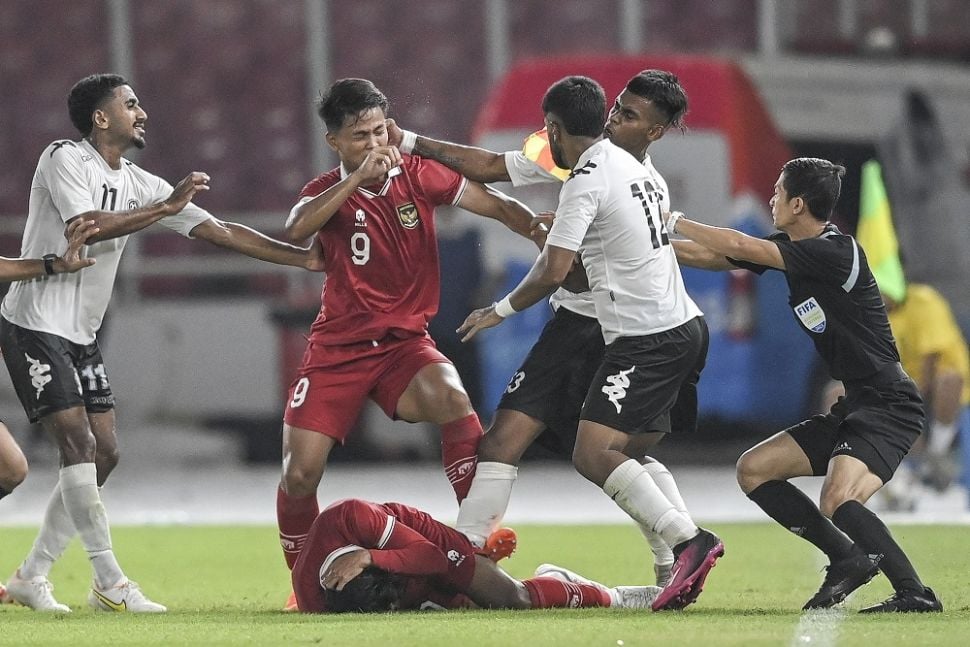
(403, 540)
(381, 254)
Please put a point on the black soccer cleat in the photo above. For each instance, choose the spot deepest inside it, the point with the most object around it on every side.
(908, 601)
(842, 578)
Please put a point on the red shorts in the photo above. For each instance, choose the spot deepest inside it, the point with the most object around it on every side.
(333, 381)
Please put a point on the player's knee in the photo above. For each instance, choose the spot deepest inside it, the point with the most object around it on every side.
(299, 481)
(453, 404)
(750, 471)
(14, 473)
(584, 464)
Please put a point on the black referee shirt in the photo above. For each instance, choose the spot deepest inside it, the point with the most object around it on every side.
(835, 300)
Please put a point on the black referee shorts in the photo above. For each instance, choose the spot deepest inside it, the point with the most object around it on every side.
(649, 383)
(876, 423)
(552, 382)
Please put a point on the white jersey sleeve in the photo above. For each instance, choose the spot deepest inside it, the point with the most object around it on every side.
(523, 171)
(60, 172)
(578, 203)
(185, 220)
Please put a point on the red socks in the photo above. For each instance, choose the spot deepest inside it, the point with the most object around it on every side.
(294, 516)
(459, 452)
(549, 592)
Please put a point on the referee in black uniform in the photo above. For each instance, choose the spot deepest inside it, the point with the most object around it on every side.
(857, 445)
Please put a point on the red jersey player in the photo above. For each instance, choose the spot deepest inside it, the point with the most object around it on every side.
(362, 556)
(370, 340)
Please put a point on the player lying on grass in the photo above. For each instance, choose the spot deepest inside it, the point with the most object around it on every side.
(377, 557)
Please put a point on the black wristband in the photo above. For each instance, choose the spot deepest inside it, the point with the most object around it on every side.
(49, 263)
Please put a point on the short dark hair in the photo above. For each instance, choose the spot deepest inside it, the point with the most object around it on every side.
(579, 102)
(373, 591)
(87, 95)
(816, 181)
(664, 91)
(349, 98)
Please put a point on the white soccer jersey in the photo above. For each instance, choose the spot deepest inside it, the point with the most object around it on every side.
(611, 211)
(523, 171)
(72, 178)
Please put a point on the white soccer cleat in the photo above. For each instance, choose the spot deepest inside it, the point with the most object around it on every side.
(36, 593)
(634, 597)
(126, 597)
(564, 574)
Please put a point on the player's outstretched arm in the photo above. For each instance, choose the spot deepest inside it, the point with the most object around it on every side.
(696, 255)
(113, 224)
(309, 216)
(476, 164)
(21, 269)
(547, 273)
(492, 203)
(250, 242)
(727, 242)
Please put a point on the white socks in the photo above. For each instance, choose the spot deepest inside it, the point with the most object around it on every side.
(488, 498)
(56, 532)
(79, 490)
(633, 489)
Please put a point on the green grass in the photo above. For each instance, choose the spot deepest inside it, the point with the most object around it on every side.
(223, 585)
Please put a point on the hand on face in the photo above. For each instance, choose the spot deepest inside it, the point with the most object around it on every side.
(378, 162)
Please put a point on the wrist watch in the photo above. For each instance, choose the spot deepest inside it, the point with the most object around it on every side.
(49, 263)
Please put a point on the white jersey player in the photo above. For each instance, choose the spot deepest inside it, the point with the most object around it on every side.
(609, 211)
(49, 325)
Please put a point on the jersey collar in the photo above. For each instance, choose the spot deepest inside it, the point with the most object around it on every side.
(367, 192)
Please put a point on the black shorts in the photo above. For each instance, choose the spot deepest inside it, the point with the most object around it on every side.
(875, 423)
(51, 374)
(649, 383)
(552, 382)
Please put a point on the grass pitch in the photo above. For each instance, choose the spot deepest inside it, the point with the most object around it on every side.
(224, 586)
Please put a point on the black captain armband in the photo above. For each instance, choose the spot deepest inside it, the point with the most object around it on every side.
(49, 263)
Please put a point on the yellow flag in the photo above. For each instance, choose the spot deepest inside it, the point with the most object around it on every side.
(876, 234)
(536, 148)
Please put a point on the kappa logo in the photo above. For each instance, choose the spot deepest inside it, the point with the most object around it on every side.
(287, 544)
(810, 313)
(40, 374)
(359, 217)
(408, 215)
(616, 391)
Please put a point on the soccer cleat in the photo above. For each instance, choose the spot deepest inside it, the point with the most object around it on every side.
(499, 545)
(564, 574)
(36, 593)
(125, 597)
(842, 578)
(633, 597)
(663, 572)
(291, 604)
(693, 560)
(908, 601)
(3, 595)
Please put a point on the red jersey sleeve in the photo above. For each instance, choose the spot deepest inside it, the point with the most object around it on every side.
(440, 184)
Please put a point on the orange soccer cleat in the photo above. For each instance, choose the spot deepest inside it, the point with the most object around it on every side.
(291, 603)
(500, 544)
